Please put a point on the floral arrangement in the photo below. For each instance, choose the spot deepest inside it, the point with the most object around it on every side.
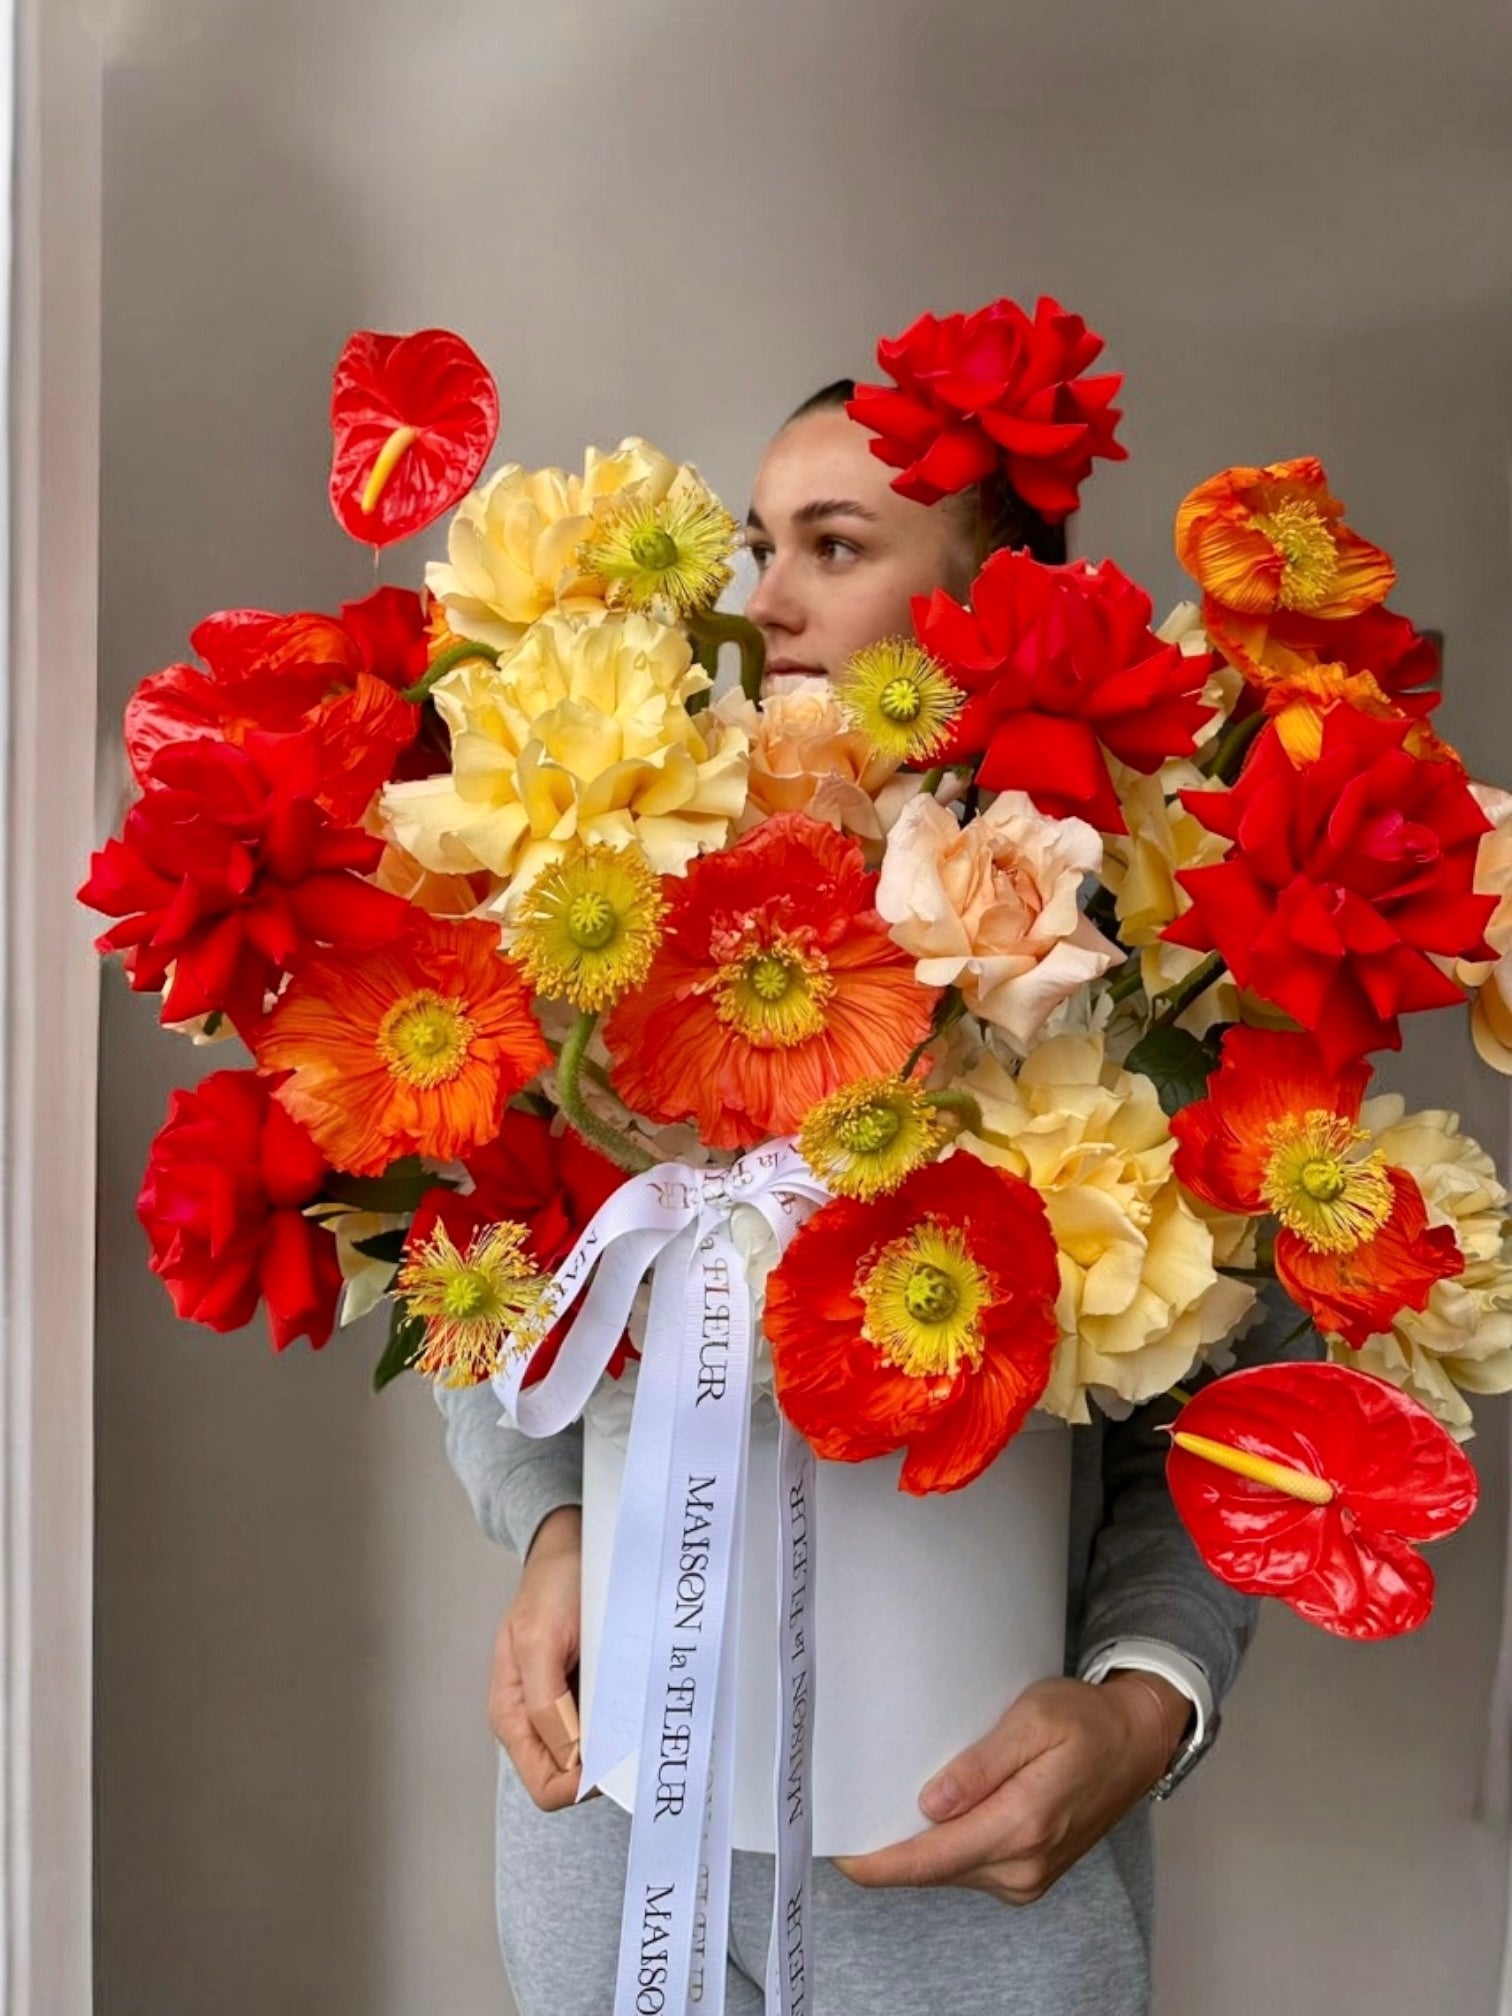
(1058, 941)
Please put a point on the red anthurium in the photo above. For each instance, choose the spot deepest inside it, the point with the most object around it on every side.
(996, 390)
(551, 1182)
(1315, 1484)
(412, 420)
(1350, 881)
(228, 872)
(1058, 665)
(223, 1203)
(1278, 1131)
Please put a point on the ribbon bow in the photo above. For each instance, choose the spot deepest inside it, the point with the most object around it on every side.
(666, 1674)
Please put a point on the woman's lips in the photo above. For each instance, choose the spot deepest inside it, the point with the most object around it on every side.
(775, 667)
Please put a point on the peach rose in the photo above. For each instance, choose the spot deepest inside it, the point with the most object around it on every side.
(807, 756)
(1491, 1011)
(991, 907)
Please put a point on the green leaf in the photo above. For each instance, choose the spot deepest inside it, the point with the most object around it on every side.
(406, 1340)
(1177, 1063)
(382, 1246)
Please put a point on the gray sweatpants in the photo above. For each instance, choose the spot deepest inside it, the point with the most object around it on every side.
(1082, 1950)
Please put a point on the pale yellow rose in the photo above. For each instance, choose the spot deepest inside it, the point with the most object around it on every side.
(583, 732)
(1140, 1300)
(512, 549)
(991, 907)
(1491, 1009)
(1223, 685)
(1461, 1342)
(1140, 868)
(807, 756)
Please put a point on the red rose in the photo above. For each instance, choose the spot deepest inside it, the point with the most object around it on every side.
(1343, 878)
(993, 391)
(1058, 664)
(227, 871)
(338, 681)
(223, 1204)
(552, 1183)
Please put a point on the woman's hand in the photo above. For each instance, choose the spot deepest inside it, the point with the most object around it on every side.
(535, 1651)
(1015, 1811)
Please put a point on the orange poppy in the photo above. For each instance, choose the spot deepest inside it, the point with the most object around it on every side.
(1264, 541)
(923, 1320)
(1279, 1132)
(776, 983)
(414, 1049)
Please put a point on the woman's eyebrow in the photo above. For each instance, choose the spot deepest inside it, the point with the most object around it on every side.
(822, 507)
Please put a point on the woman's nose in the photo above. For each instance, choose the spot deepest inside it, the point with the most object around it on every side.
(772, 604)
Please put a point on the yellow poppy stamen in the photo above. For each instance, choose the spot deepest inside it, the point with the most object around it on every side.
(590, 925)
(864, 1139)
(772, 991)
(1320, 1186)
(923, 1295)
(900, 699)
(1309, 553)
(471, 1303)
(425, 1038)
(668, 557)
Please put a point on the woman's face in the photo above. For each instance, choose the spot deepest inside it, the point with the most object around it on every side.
(839, 553)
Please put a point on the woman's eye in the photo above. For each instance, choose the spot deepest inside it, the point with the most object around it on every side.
(760, 555)
(831, 548)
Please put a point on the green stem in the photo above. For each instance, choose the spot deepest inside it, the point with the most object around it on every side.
(1179, 999)
(444, 662)
(1127, 979)
(1229, 752)
(709, 628)
(951, 1009)
(960, 1103)
(931, 782)
(1180, 1395)
(609, 1141)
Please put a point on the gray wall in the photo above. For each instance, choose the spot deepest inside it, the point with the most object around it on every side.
(1292, 222)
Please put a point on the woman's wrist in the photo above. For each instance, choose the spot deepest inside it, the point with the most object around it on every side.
(560, 1532)
(1159, 1713)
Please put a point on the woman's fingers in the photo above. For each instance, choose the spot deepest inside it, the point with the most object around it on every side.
(550, 1784)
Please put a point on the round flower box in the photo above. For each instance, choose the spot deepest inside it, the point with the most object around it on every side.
(932, 1614)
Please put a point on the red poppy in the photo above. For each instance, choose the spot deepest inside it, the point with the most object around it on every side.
(923, 1320)
(222, 1203)
(1380, 1475)
(1059, 664)
(776, 983)
(338, 680)
(412, 421)
(1345, 877)
(1279, 1131)
(994, 390)
(227, 872)
(551, 1182)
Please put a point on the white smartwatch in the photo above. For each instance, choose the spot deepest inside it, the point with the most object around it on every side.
(1153, 1655)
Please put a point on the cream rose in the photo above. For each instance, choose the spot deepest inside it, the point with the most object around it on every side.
(583, 732)
(1140, 868)
(1141, 1301)
(1491, 1011)
(991, 907)
(1461, 1342)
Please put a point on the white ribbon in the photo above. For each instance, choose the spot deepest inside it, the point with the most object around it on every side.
(667, 1662)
